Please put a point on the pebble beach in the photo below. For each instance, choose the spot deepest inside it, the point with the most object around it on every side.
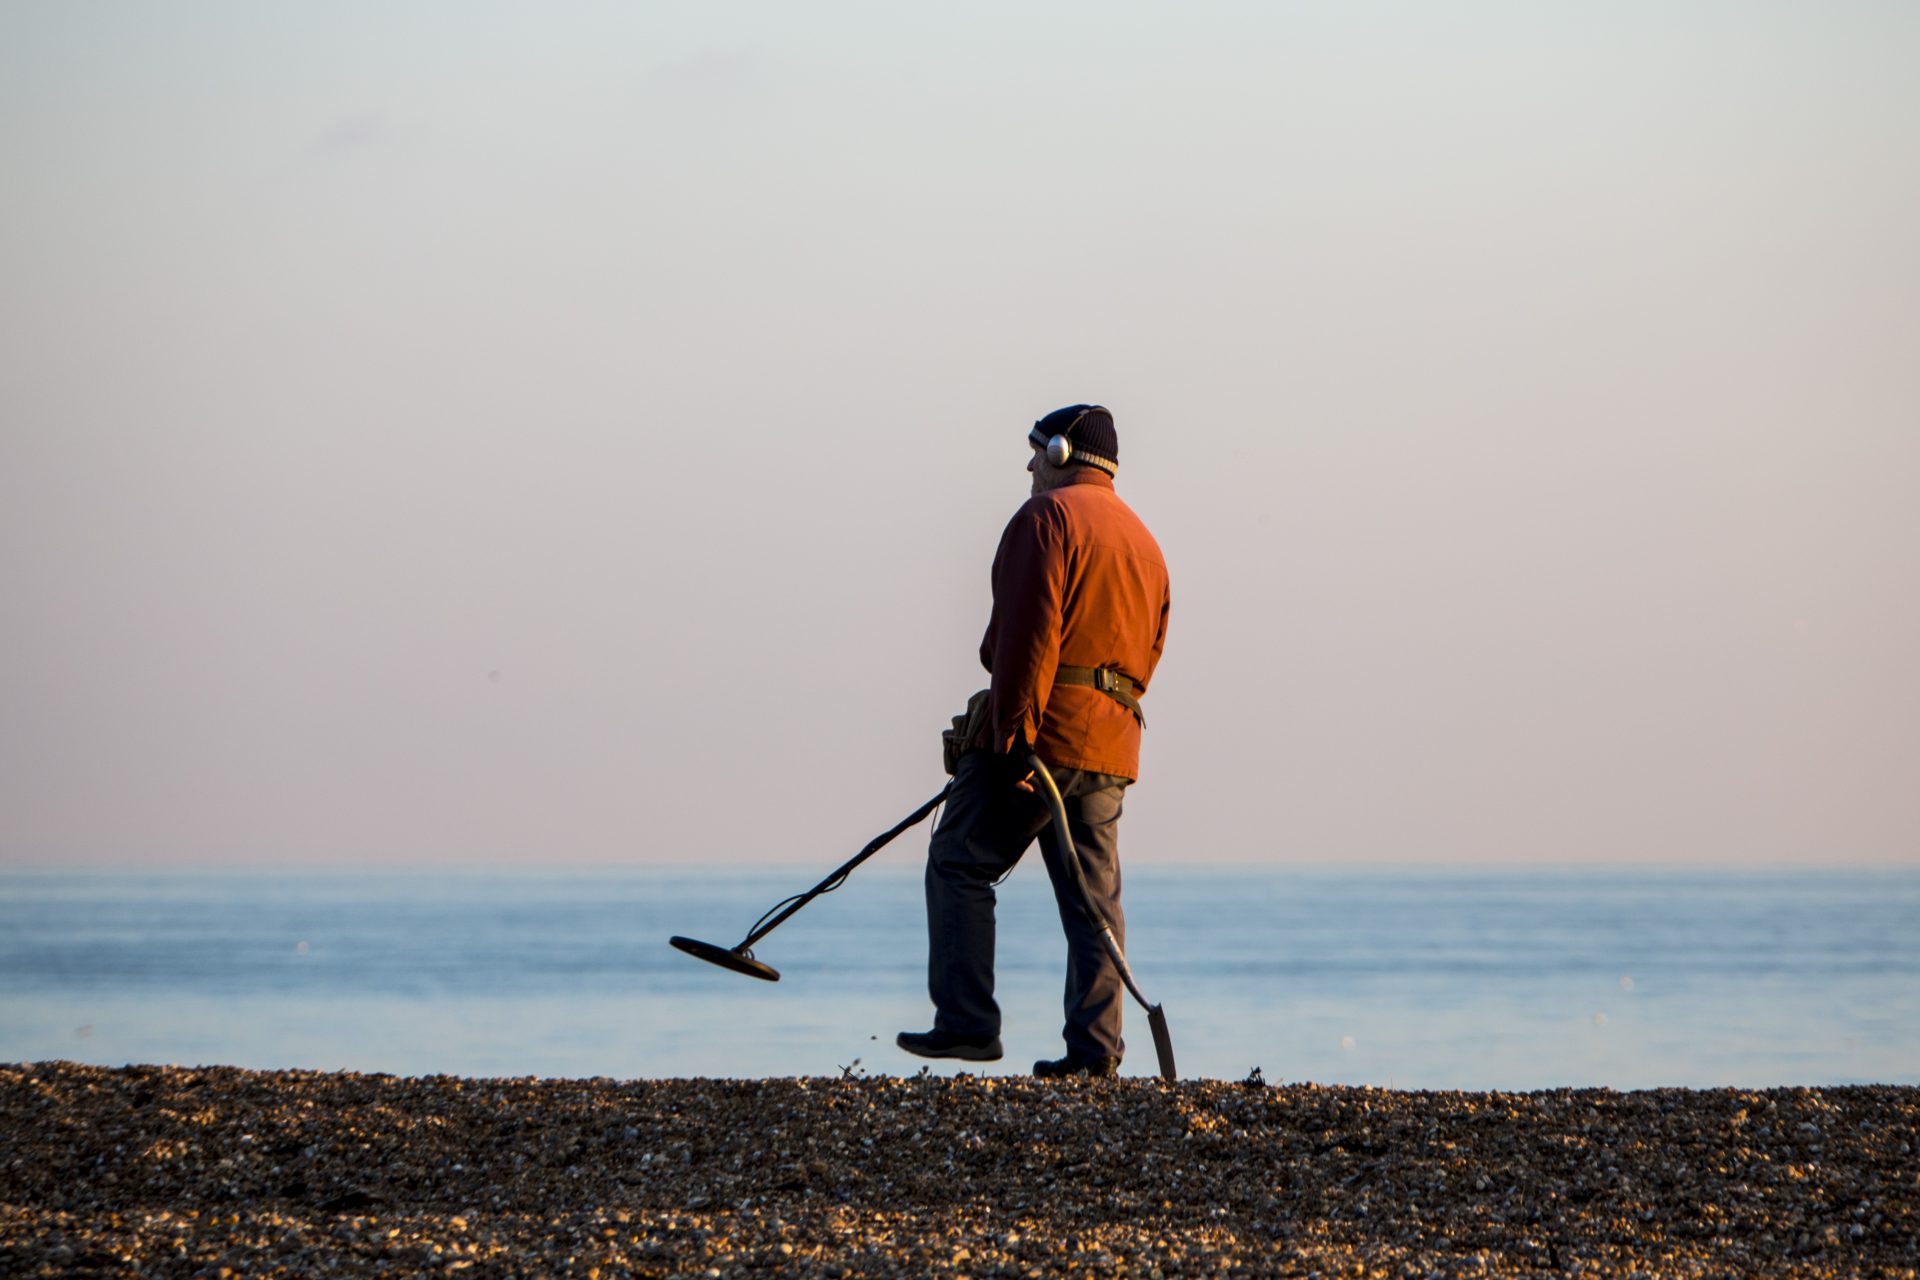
(221, 1172)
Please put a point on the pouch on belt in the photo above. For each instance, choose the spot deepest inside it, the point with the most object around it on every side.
(967, 728)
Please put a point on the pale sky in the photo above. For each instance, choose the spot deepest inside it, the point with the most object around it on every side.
(462, 435)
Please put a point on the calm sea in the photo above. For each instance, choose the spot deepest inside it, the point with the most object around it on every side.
(1415, 980)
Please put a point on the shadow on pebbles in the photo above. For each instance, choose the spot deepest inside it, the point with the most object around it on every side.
(165, 1171)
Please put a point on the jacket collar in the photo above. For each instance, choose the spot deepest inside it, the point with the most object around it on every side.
(1088, 475)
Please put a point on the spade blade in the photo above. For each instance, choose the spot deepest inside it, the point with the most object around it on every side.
(1162, 1042)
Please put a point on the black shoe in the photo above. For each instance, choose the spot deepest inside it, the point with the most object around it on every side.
(940, 1044)
(1102, 1068)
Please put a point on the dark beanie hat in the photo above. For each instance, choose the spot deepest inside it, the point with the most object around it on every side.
(1090, 429)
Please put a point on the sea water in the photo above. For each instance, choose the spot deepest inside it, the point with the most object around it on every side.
(1410, 979)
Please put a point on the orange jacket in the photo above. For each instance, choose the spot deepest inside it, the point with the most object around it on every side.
(1077, 580)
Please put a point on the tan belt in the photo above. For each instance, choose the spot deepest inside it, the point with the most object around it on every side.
(1105, 680)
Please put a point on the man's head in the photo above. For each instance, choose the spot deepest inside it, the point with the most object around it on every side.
(1080, 435)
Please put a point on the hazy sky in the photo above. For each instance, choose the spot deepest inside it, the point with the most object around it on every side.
(476, 434)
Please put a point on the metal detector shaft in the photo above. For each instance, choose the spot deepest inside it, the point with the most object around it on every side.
(1156, 1016)
(741, 959)
(840, 872)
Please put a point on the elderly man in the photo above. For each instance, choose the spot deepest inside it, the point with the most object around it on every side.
(1080, 600)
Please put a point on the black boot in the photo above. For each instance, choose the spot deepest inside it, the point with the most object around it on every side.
(940, 1044)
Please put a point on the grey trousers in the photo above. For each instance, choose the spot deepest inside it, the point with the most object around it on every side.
(986, 826)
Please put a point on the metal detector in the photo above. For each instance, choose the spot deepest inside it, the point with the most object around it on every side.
(740, 959)
(1156, 1016)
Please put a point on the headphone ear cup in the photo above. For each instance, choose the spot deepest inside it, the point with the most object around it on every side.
(1059, 451)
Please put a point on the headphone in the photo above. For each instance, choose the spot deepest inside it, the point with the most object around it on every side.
(1060, 449)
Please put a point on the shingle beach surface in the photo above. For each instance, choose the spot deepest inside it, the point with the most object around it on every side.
(165, 1171)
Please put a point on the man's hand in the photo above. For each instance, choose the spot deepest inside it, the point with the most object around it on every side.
(1018, 771)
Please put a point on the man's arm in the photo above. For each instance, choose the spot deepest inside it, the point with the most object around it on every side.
(1022, 646)
(1160, 631)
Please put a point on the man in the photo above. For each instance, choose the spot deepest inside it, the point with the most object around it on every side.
(1080, 602)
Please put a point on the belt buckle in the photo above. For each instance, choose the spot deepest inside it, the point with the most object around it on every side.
(1105, 679)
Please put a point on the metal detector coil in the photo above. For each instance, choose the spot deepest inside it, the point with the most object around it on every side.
(738, 961)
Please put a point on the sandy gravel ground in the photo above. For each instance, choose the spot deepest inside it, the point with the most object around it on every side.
(163, 1171)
